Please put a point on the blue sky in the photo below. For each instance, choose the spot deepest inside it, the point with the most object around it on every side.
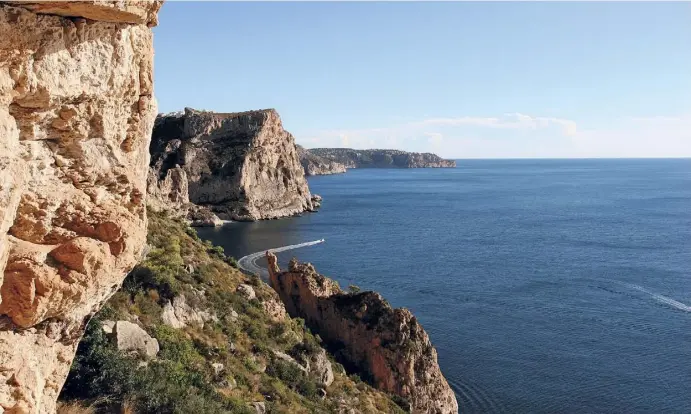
(464, 80)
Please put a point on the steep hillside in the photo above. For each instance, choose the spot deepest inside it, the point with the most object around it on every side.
(189, 333)
(381, 158)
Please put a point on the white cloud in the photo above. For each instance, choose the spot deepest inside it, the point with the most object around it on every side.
(520, 135)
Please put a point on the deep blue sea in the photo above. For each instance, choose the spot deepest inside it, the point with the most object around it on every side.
(547, 286)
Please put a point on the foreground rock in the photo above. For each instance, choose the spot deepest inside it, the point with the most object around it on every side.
(76, 113)
(316, 165)
(375, 158)
(241, 166)
(387, 345)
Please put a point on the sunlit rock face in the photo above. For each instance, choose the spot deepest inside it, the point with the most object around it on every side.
(76, 114)
(240, 166)
(387, 346)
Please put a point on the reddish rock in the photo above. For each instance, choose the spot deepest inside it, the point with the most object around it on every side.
(384, 344)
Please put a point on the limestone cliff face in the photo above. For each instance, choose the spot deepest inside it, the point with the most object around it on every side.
(76, 113)
(381, 158)
(387, 345)
(241, 166)
(316, 165)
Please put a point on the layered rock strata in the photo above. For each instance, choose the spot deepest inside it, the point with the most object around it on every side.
(381, 158)
(386, 345)
(241, 166)
(76, 114)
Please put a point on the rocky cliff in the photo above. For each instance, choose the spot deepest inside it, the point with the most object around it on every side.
(76, 113)
(378, 158)
(387, 345)
(316, 165)
(241, 166)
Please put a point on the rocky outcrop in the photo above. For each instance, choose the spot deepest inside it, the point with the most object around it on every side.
(241, 166)
(76, 113)
(378, 158)
(386, 345)
(178, 314)
(129, 337)
(315, 364)
(246, 291)
(316, 165)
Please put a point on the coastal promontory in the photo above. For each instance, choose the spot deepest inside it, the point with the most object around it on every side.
(240, 166)
(386, 346)
(380, 158)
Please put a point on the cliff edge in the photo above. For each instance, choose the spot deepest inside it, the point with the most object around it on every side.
(387, 345)
(76, 113)
(240, 166)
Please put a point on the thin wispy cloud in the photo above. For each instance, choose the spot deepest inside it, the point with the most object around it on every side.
(520, 135)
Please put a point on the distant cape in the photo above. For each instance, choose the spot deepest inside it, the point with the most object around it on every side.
(318, 161)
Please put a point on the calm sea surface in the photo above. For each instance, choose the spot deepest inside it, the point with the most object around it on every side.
(547, 286)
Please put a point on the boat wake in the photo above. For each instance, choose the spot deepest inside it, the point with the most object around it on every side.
(660, 298)
(249, 263)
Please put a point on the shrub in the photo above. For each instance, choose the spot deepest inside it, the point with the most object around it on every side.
(101, 371)
(175, 346)
(232, 262)
(292, 376)
(192, 233)
(353, 288)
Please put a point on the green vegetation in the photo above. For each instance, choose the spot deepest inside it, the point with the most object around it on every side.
(216, 368)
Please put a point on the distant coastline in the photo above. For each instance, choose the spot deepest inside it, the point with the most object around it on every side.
(323, 161)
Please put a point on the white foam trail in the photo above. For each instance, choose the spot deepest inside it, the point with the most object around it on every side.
(662, 299)
(249, 263)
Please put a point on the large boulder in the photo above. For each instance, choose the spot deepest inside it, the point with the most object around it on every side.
(76, 114)
(129, 337)
(246, 291)
(319, 368)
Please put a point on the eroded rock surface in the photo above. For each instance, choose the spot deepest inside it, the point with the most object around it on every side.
(76, 113)
(386, 345)
(241, 166)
